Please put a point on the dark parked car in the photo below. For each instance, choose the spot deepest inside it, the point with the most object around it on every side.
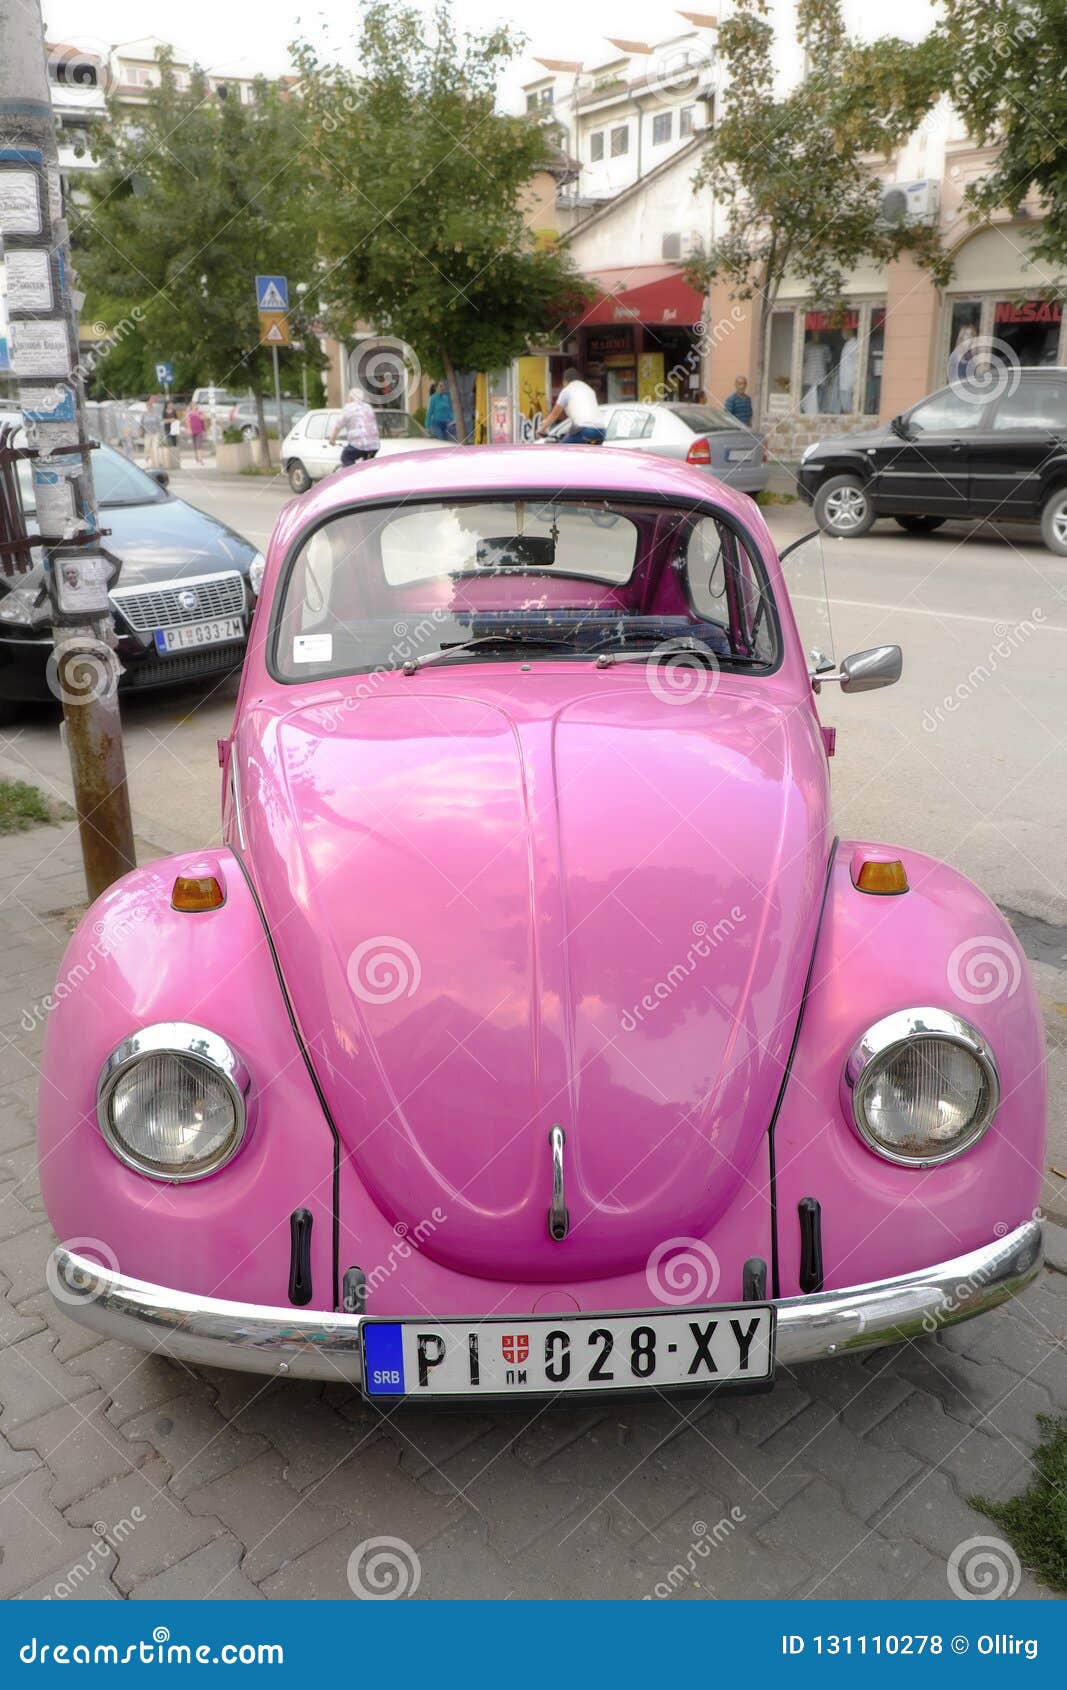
(989, 449)
(182, 601)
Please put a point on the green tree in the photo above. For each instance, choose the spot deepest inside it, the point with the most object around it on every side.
(1007, 81)
(418, 180)
(190, 201)
(792, 175)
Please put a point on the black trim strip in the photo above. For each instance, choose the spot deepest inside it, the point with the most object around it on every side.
(775, 1283)
(308, 1064)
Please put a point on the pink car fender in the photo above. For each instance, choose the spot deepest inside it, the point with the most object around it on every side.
(144, 962)
(940, 944)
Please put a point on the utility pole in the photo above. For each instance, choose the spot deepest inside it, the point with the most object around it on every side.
(84, 668)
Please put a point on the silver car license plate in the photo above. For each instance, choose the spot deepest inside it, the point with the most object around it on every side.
(193, 635)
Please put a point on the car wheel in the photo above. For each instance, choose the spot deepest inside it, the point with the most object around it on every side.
(248, 433)
(842, 507)
(1054, 522)
(919, 524)
(299, 479)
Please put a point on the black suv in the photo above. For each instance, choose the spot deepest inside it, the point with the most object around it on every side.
(993, 447)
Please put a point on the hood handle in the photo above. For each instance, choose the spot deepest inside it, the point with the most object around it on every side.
(559, 1220)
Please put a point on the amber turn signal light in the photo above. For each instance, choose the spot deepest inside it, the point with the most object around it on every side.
(194, 892)
(882, 877)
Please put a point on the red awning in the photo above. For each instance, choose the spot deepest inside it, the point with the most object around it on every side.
(647, 293)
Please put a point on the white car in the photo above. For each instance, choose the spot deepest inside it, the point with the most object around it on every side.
(702, 436)
(307, 454)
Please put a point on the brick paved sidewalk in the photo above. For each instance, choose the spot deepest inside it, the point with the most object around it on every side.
(123, 1475)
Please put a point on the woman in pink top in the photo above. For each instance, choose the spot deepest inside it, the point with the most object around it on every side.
(194, 419)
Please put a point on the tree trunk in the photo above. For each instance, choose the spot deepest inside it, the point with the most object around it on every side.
(457, 402)
(261, 426)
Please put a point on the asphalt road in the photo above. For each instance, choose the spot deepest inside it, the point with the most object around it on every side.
(966, 758)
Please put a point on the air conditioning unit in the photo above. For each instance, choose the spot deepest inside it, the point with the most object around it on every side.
(675, 247)
(910, 202)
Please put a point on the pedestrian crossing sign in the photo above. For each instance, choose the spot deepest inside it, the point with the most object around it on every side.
(274, 329)
(272, 293)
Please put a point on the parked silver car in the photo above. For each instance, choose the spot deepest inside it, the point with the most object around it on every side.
(700, 435)
(307, 454)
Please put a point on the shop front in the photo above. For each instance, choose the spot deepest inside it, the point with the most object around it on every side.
(641, 337)
(823, 366)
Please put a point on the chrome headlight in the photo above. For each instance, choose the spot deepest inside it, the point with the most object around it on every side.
(810, 451)
(255, 572)
(921, 1087)
(173, 1101)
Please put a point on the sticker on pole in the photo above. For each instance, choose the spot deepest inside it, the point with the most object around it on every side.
(272, 293)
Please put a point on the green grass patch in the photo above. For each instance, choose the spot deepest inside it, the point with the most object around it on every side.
(22, 806)
(1036, 1521)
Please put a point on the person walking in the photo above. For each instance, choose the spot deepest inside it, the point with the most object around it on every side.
(739, 404)
(194, 421)
(359, 427)
(578, 403)
(440, 417)
(171, 425)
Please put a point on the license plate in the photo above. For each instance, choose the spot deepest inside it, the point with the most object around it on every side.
(553, 1354)
(739, 454)
(195, 634)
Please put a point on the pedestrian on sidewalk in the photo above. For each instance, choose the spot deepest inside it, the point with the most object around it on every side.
(440, 417)
(358, 426)
(171, 425)
(739, 404)
(194, 421)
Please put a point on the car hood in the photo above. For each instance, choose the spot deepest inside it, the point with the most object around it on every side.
(598, 914)
(857, 441)
(159, 542)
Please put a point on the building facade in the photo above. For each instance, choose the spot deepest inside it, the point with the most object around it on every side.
(635, 122)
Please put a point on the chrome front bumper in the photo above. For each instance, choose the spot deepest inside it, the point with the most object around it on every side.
(211, 1332)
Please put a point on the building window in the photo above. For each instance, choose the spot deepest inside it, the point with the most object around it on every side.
(685, 121)
(1026, 330)
(872, 398)
(548, 95)
(780, 361)
(662, 125)
(531, 102)
(596, 146)
(830, 365)
(620, 140)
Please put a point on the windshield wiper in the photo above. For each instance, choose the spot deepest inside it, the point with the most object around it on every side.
(483, 640)
(661, 648)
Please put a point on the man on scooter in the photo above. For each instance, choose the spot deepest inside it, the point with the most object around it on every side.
(578, 403)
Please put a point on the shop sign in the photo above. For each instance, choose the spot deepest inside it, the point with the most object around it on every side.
(1029, 311)
(833, 319)
(604, 341)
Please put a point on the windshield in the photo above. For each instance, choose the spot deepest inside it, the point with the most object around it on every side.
(397, 425)
(562, 578)
(116, 479)
(704, 419)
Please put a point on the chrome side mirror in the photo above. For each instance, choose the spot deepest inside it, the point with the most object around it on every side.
(864, 671)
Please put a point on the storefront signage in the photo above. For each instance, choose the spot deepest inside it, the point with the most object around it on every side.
(604, 341)
(832, 319)
(1029, 311)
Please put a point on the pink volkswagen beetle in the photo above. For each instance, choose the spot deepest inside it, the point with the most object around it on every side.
(531, 1033)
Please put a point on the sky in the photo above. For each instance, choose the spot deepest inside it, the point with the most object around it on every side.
(240, 37)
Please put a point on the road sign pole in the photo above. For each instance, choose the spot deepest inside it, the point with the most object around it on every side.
(277, 394)
(84, 668)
